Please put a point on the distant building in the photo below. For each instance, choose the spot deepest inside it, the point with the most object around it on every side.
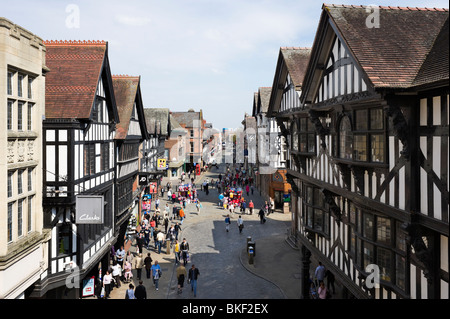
(192, 122)
(159, 129)
(175, 147)
(271, 154)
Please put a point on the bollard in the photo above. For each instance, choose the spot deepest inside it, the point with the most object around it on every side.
(251, 254)
(249, 238)
(253, 245)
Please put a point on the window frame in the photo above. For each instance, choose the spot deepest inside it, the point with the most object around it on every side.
(360, 139)
(364, 248)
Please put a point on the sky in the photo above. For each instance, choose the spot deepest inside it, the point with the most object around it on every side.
(202, 54)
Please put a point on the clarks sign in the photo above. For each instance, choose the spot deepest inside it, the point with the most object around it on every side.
(89, 209)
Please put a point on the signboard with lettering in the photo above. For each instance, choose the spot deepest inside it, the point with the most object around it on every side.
(89, 209)
(161, 164)
(88, 287)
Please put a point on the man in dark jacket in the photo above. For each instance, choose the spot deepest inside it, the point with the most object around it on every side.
(193, 276)
(140, 292)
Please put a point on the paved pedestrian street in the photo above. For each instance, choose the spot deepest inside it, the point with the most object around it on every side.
(221, 256)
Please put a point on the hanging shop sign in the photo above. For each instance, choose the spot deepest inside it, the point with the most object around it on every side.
(162, 164)
(143, 179)
(89, 209)
(153, 187)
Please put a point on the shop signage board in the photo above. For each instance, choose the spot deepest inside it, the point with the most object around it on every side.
(89, 209)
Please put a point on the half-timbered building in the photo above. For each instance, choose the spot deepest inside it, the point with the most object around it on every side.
(158, 126)
(131, 132)
(373, 188)
(286, 111)
(79, 131)
(271, 153)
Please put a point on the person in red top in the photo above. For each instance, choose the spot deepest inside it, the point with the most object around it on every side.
(250, 207)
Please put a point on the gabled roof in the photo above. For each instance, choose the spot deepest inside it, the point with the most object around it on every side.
(392, 54)
(157, 120)
(263, 99)
(255, 103)
(75, 70)
(128, 94)
(293, 61)
(296, 60)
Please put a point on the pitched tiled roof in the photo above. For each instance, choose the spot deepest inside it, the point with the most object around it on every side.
(393, 53)
(187, 119)
(125, 90)
(264, 98)
(436, 65)
(75, 69)
(296, 60)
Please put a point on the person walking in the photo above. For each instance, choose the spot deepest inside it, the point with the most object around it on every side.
(177, 251)
(140, 292)
(251, 206)
(198, 206)
(227, 223)
(261, 216)
(140, 242)
(156, 274)
(148, 264)
(129, 294)
(181, 275)
(193, 277)
(107, 280)
(240, 223)
(138, 264)
(320, 273)
(116, 273)
(181, 212)
(147, 236)
(160, 240)
(177, 230)
(184, 247)
(120, 255)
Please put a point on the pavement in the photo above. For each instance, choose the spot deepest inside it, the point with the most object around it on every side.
(221, 257)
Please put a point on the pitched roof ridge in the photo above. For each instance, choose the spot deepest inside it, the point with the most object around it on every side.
(124, 76)
(295, 48)
(385, 7)
(74, 42)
